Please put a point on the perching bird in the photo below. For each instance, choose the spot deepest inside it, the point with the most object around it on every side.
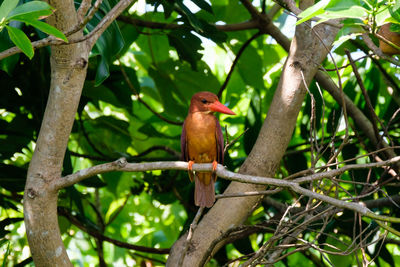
(202, 142)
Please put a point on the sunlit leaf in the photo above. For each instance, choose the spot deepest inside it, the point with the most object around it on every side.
(187, 45)
(312, 11)
(6, 7)
(44, 27)
(21, 40)
(31, 11)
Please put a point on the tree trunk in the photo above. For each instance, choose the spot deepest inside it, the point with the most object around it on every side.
(68, 65)
(306, 53)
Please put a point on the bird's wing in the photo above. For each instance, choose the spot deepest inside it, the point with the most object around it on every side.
(184, 151)
(220, 142)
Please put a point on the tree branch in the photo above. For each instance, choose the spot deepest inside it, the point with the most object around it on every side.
(245, 25)
(240, 52)
(252, 10)
(106, 21)
(123, 165)
(91, 37)
(377, 51)
(193, 226)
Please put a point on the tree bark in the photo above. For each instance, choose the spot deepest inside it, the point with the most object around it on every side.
(68, 65)
(68, 73)
(306, 53)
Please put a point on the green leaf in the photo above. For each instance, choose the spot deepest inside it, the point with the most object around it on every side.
(93, 181)
(203, 5)
(110, 134)
(7, 64)
(100, 92)
(395, 13)
(32, 11)
(395, 27)
(44, 27)
(383, 16)
(166, 87)
(109, 44)
(346, 33)
(312, 11)
(6, 255)
(76, 197)
(149, 130)
(187, 45)
(357, 12)
(19, 38)
(210, 31)
(193, 20)
(253, 122)
(6, 7)
(250, 67)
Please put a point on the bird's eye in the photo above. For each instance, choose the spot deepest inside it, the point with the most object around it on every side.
(204, 101)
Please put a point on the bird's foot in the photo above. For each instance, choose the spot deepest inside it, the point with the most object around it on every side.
(215, 165)
(190, 170)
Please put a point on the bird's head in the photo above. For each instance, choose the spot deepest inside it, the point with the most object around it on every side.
(208, 102)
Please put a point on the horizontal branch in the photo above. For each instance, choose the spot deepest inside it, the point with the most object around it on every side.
(245, 25)
(336, 172)
(295, 185)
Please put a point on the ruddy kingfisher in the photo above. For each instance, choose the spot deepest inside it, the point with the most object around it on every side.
(202, 142)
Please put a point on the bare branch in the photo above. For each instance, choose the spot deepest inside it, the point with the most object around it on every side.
(246, 25)
(83, 9)
(229, 144)
(123, 165)
(37, 44)
(374, 118)
(252, 10)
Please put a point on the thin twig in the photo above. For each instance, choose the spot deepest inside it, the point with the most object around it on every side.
(227, 145)
(136, 93)
(377, 51)
(86, 135)
(240, 52)
(374, 118)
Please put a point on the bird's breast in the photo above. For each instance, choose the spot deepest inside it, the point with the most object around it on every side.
(200, 130)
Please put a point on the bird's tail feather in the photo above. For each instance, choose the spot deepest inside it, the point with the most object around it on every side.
(204, 193)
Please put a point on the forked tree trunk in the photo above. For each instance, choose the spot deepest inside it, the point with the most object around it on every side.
(306, 53)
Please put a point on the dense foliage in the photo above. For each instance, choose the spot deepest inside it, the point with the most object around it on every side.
(142, 73)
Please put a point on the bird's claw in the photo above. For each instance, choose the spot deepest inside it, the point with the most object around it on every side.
(190, 165)
(215, 165)
(190, 170)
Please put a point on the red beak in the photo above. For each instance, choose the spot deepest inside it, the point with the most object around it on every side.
(219, 107)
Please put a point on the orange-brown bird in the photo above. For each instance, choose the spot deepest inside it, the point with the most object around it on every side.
(202, 142)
